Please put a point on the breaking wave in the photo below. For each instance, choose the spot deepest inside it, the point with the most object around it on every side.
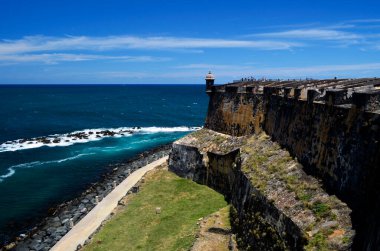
(85, 136)
(12, 170)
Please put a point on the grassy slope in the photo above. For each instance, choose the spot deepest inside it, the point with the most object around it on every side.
(138, 227)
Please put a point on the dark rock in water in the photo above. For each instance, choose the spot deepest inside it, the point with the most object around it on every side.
(45, 141)
(56, 140)
(108, 133)
(91, 133)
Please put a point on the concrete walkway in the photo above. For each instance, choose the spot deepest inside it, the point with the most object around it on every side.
(88, 225)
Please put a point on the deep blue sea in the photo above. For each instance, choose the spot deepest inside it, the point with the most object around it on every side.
(43, 163)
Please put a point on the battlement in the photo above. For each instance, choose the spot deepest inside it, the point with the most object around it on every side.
(361, 93)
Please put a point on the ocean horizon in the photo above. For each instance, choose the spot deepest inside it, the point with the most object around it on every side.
(56, 140)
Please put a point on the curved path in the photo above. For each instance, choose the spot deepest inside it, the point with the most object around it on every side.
(88, 225)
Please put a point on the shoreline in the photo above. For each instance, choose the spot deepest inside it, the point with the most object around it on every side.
(104, 210)
(51, 228)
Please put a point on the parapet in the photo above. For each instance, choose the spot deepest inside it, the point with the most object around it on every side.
(287, 92)
(336, 96)
(361, 93)
(367, 100)
(231, 89)
(312, 95)
(297, 93)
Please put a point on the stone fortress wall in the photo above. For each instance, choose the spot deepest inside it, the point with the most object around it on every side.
(330, 126)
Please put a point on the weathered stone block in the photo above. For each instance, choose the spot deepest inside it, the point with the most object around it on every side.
(367, 100)
(312, 95)
(297, 93)
(249, 89)
(335, 96)
(231, 89)
(287, 91)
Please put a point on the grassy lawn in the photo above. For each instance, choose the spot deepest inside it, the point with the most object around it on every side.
(138, 227)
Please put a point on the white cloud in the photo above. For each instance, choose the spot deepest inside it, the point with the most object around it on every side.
(317, 34)
(42, 43)
(373, 20)
(66, 57)
(345, 34)
(59, 49)
(360, 33)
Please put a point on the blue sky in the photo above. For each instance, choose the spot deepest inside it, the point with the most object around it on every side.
(177, 42)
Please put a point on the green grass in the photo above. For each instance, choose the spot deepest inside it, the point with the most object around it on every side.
(304, 196)
(138, 227)
(318, 242)
(321, 209)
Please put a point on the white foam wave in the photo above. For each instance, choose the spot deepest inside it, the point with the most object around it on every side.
(154, 129)
(71, 158)
(85, 136)
(12, 169)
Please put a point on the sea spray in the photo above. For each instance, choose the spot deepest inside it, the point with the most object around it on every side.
(85, 136)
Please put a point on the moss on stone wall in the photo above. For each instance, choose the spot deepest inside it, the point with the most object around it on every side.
(272, 169)
(276, 205)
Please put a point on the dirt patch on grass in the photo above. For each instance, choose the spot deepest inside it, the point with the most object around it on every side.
(215, 232)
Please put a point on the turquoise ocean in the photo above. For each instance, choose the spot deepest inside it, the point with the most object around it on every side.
(55, 140)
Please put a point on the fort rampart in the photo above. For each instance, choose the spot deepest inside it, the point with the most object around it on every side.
(330, 126)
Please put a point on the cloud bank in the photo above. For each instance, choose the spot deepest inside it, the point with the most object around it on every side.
(29, 48)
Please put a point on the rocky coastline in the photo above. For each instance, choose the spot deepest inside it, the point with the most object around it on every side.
(59, 219)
